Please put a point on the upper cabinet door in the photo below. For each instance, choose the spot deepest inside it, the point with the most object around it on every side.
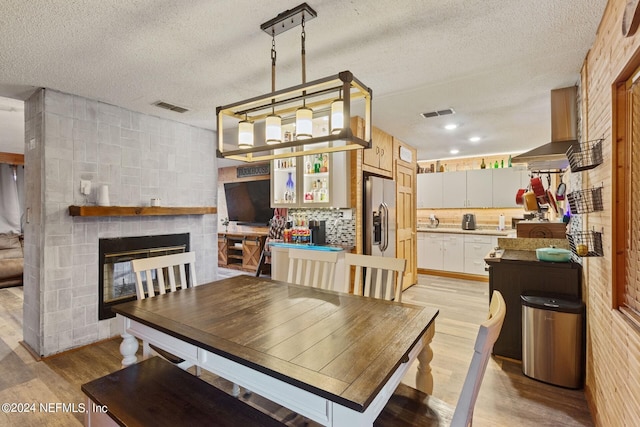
(454, 189)
(430, 190)
(479, 189)
(379, 157)
(506, 183)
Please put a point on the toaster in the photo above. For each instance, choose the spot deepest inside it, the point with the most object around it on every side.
(468, 222)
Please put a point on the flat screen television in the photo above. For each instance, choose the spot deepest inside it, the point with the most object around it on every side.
(248, 202)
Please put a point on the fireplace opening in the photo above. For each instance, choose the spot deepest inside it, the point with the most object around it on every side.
(116, 279)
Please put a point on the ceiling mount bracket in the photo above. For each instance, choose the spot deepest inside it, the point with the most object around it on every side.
(288, 19)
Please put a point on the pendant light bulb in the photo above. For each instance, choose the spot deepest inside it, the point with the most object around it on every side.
(304, 123)
(273, 124)
(245, 134)
(337, 116)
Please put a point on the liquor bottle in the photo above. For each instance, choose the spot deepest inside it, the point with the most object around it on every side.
(509, 161)
(482, 165)
(289, 194)
(502, 163)
(495, 165)
(318, 164)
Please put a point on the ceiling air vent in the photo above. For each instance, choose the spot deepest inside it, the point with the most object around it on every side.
(170, 107)
(438, 113)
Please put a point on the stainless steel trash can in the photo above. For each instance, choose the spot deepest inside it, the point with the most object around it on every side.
(552, 336)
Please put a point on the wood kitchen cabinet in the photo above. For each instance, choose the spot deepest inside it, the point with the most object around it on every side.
(379, 158)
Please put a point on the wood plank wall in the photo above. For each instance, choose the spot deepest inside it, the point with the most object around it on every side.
(613, 345)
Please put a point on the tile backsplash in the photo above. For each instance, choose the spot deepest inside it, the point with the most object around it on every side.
(340, 230)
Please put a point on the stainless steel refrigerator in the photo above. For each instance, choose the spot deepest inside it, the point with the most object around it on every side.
(380, 216)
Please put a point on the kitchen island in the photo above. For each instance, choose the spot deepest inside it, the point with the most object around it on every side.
(514, 272)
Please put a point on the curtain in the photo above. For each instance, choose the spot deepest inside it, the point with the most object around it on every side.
(10, 203)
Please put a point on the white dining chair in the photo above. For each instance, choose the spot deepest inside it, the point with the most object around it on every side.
(408, 406)
(153, 283)
(376, 276)
(156, 266)
(315, 268)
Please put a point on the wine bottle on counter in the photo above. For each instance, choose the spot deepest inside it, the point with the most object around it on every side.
(482, 165)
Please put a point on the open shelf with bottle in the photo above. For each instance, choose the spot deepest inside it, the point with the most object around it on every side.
(315, 180)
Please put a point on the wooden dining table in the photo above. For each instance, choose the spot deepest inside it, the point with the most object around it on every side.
(333, 357)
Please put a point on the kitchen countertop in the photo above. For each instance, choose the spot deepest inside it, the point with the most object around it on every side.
(331, 248)
(452, 230)
(524, 257)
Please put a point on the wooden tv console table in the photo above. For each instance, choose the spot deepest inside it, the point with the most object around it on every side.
(240, 250)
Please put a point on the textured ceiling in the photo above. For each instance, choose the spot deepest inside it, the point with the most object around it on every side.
(493, 61)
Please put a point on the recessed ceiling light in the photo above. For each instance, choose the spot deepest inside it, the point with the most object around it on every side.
(454, 151)
(451, 126)
(474, 139)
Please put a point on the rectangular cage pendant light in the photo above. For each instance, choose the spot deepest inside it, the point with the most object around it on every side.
(340, 90)
(313, 117)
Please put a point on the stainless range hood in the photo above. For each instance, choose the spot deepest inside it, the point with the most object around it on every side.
(564, 133)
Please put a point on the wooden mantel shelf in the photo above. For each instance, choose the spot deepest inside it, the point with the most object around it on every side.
(139, 210)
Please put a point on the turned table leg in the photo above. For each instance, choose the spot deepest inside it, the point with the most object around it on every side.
(424, 378)
(128, 349)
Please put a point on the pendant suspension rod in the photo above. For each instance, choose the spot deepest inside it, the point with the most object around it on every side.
(303, 36)
(273, 67)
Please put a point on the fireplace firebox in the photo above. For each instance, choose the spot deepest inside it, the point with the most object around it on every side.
(116, 279)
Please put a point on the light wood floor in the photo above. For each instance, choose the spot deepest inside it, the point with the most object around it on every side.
(507, 398)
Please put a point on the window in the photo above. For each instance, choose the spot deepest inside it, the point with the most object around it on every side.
(626, 210)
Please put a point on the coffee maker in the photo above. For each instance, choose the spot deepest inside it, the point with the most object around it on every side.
(318, 232)
(468, 222)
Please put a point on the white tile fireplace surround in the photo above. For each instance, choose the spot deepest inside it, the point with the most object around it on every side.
(69, 138)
